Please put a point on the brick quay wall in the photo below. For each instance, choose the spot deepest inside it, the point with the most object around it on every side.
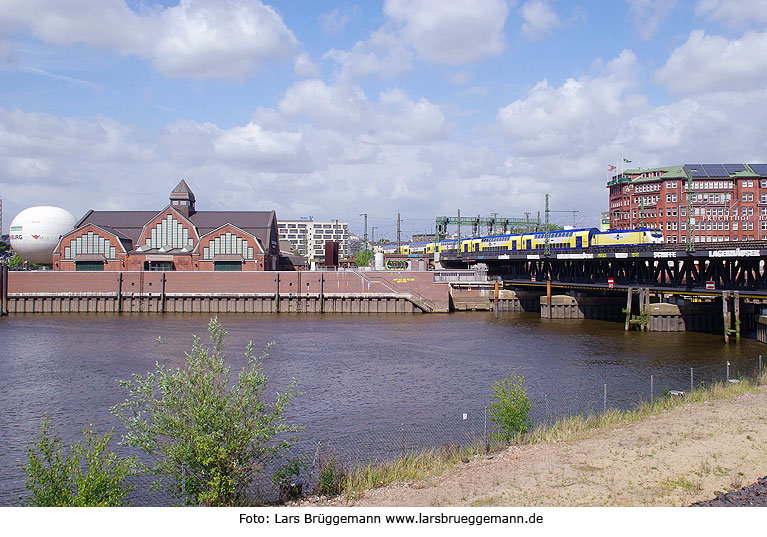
(224, 292)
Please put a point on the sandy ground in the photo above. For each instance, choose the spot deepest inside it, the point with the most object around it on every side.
(675, 458)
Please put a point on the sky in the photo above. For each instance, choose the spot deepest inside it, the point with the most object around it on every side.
(334, 109)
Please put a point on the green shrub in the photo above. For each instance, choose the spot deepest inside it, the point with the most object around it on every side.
(287, 479)
(84, 475)
(331, 475)
(510, 409)
(210, 436)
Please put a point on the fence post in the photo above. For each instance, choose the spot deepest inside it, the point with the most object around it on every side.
(728, 372)
(651, 390)
(604, 401)
(760, 364)
(183, 483)
(691, 381)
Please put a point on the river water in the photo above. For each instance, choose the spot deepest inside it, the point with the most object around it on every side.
(370, 383)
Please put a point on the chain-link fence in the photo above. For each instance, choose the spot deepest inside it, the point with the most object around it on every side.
(470, 427)
(474, 427)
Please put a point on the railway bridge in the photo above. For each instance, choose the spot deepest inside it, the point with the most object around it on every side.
(719, 286)
(722, 266)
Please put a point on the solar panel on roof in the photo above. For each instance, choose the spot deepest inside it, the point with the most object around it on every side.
(759, 169)
(734, 168)
(695, 170)
(715, 170)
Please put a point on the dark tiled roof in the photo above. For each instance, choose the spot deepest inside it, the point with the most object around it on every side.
(128, 224)
(182, 188)
(257, 223)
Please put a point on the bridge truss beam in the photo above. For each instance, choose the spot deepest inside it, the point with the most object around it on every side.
(730, 273)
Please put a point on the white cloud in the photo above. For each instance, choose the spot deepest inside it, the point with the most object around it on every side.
(714, 63)
(540, 18)
(335, 22)
(453, 33)
(382, 55)
(733, 13)
(398, 120)
(228, 39)
(650, 14)
(394, 119)
(719, 127)
(305, 67)
(577, 116)
(64, 78)
(214, 39)
(335, 107)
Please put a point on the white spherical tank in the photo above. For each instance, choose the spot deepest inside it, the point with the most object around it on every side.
(36, 231)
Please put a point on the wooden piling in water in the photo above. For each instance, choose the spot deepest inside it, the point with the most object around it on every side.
(3, 290)
(120, 292)
(629, 296)
(548, 295)
(277, 292)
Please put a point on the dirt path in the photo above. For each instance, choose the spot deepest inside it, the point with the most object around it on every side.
(675, 458)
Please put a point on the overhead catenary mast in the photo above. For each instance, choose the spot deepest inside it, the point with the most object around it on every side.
(366, 230)
(399, 239)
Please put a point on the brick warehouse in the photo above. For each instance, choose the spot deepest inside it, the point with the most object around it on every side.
(729, 201)
(176, 238)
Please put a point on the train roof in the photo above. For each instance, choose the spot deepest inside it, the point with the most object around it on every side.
(632, 230)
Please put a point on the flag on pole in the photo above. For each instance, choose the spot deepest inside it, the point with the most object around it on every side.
(626, 160)
(611, 168)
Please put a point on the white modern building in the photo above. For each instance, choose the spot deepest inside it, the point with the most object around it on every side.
(308, 237)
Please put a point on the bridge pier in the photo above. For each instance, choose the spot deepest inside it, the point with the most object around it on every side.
(580, 307)
(761, 329)
(486, 296)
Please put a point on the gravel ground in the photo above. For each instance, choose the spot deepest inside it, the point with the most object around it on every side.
(751, 496)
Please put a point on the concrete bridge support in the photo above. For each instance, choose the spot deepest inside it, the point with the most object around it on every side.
(581, 307)
(686, 316)
(488, 296)
(761, 329)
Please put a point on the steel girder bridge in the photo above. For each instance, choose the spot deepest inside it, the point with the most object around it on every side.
(730, 266)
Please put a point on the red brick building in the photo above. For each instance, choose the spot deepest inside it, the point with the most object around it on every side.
(176, 238)
(728, 201)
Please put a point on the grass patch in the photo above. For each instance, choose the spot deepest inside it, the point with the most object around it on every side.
(412, 466)
(415, 466)
(670, 485)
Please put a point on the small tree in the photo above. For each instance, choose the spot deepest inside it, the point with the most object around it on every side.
(193, 422)
(363, 258)
(510, 409)
(83, 475)
(16, 261)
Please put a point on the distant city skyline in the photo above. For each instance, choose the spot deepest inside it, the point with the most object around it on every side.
(332, 109)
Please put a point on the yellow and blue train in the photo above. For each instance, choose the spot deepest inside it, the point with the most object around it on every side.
(569, 239)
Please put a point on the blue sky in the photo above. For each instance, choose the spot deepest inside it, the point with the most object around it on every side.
(332, 109)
